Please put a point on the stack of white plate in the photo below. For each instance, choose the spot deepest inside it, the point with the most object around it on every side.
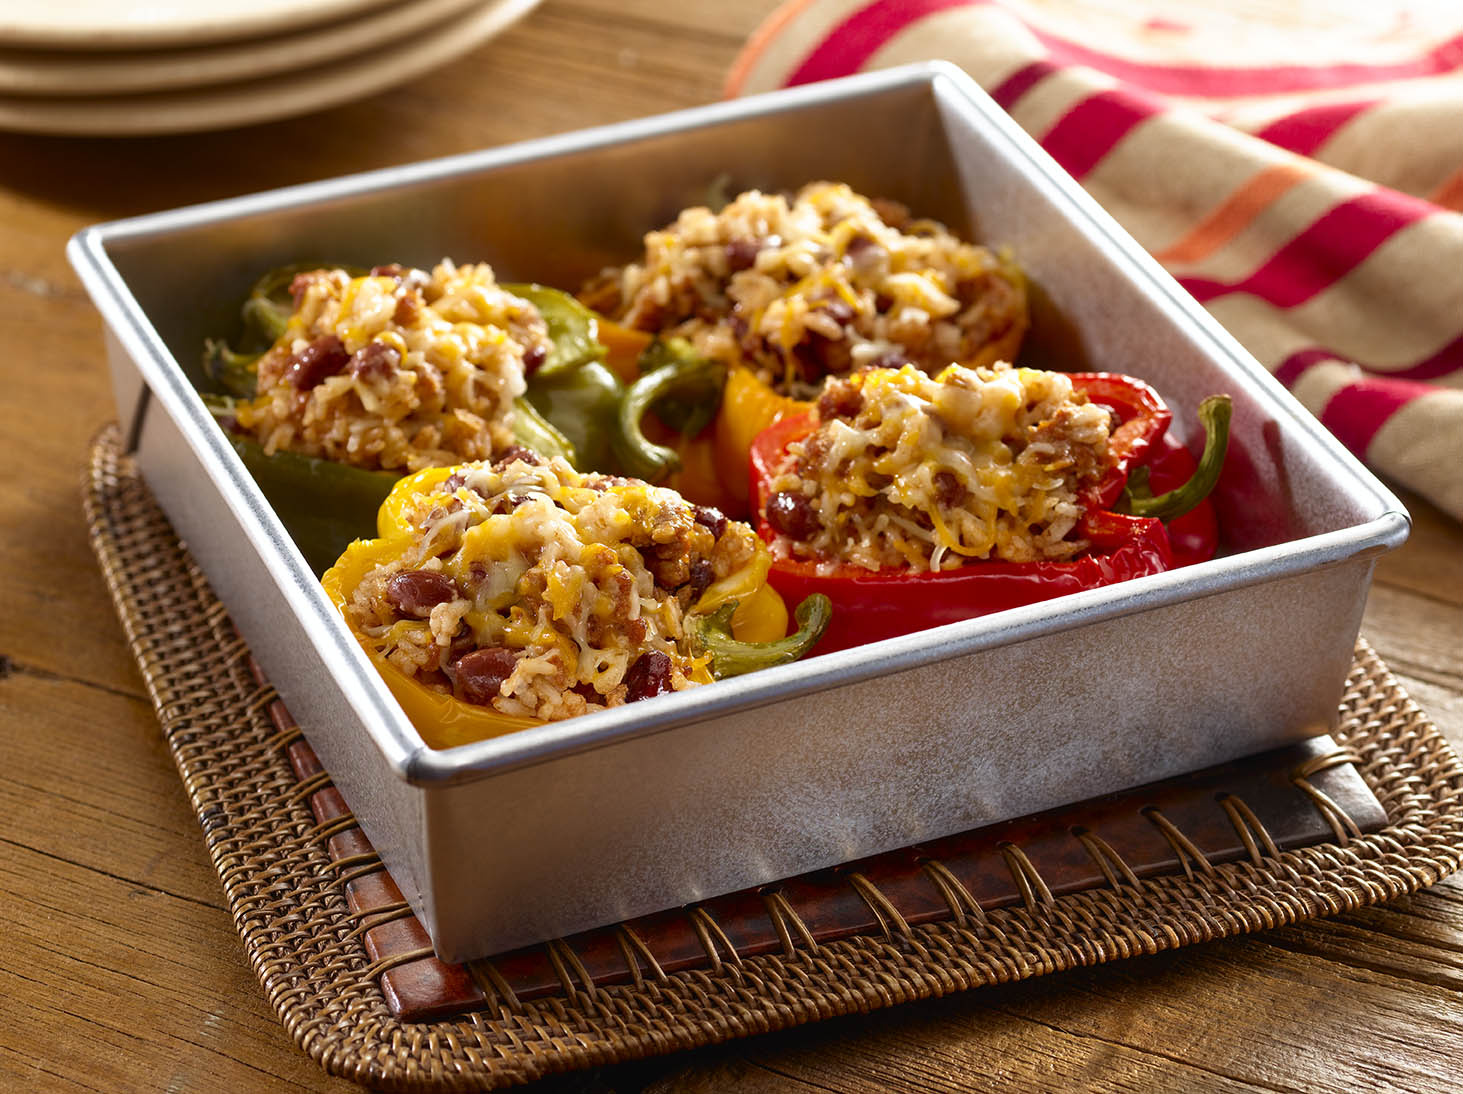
(130, 67)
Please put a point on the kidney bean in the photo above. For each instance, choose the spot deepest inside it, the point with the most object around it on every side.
(300, 284)
(838, 310)
(711, 518)
(890, 358)
(322, 358)
(810, 356)
(865, 255)
(374, 361)
(949, 490)
(518, 452)
(417, 592)
(479, 675)
(792, 515)
(702, 575)
(649, 675)
(741, 254)
(533, 357)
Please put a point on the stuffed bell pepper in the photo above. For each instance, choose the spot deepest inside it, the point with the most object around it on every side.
(913, 500)
(772, 295)
(503, 594)
(361, 377)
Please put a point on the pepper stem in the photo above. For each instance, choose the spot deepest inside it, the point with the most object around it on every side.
(236, 373)
(642, 457)
(730, 657)
(533, 430)
(573, 329)
(269, 307)
(1138, 499)
(673, 374)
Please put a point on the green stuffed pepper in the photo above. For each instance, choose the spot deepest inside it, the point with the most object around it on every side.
(346, 380)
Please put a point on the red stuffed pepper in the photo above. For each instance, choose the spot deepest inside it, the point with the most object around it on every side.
(913, 501)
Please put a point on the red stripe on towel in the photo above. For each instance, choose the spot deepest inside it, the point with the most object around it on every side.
(1436, 365)
(849, 45)
(1358, 410)
(1306, 130)
(1009, 91)
(1294, 367)
(1325, 252)
(1085, 134)
(1446, 360)
(1219, 81)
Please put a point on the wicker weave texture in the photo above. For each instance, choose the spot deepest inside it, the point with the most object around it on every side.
(304, 945)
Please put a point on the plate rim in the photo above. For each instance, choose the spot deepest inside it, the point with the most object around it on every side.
(37, 26)
(68, 74)
(251, 102)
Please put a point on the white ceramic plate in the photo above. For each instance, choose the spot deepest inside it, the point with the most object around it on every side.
(129, 24)
(66, 72)
(251, 101)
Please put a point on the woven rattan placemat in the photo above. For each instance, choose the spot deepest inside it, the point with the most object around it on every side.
(306, 946)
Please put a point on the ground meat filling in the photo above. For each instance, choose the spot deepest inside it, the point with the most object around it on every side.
(546, 593)
(400, 369)
(906, 470)
(822, 284)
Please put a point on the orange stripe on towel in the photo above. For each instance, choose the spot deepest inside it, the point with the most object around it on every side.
(1450, 194)
(757, 45)
(1233, 214)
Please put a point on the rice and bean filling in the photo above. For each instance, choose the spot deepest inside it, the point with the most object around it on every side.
(908, 470)
(543, 592)
(400, 369)
(822, 284)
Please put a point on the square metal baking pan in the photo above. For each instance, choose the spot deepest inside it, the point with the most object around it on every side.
(585, 822)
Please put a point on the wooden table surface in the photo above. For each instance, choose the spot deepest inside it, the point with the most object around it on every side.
(118, 961)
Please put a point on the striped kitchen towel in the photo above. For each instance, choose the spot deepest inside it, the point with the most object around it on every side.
(1296, 164)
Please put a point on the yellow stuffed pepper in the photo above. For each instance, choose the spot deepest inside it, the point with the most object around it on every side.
(501, 595)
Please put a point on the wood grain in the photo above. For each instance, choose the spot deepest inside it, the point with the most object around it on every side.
(120, 967)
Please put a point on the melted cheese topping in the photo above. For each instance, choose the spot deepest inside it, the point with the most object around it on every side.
(576, 576)
(908, 470)
(824, 282)
(435, 361)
